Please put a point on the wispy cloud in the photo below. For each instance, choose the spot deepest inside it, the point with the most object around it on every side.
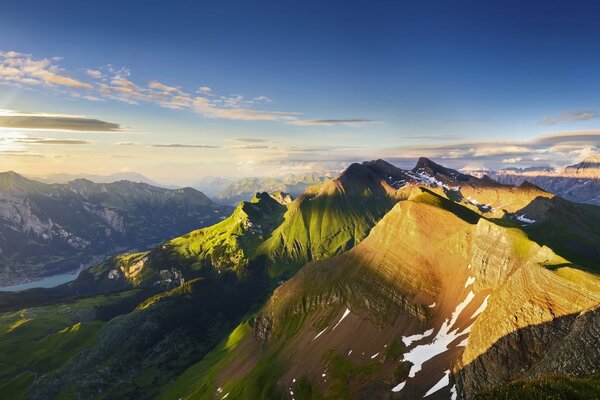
(41, 140)
(93, 73)
(251, 140)
(54, 122)
(186, 146)
(20, 68)
(19, 153)
(251, 147)
(336, 122)
(556, 149)
(23, 70)
(569, 116)
(125, 144)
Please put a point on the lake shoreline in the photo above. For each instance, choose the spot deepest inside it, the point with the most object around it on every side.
(41, 282)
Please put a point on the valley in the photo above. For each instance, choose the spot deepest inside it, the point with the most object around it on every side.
(50, 229)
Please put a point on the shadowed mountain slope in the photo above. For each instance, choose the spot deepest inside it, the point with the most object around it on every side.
(47, 229)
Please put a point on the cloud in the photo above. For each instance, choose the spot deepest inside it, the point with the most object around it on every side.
(558, 149)
(125, 144)
(335, 122)
(187, 146)
(251, 140)
(569, 116)
(94, 73)
(165, 88)
(39, 140)
(251, 147)
(22, 70)
(588, 136)
(54, 122)
(18, 153)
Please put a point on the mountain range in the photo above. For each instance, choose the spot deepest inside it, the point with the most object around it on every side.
(232, 192)
(380, 283)
(46, 229)
(579, 182)
(111, 178)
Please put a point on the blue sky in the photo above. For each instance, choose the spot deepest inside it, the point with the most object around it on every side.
(233, 88)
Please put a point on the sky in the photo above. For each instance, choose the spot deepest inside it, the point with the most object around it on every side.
(179, 90)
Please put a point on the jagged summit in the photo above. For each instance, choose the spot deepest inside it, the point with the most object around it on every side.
(282, 197)
(383, 166)
(425, 165)
(262, 196)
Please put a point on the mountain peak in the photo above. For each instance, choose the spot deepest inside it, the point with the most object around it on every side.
(425, 165)
(262, 197)
(12, 179)
(379, 163)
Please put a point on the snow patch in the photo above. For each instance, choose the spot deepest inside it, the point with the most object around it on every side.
(422, 177)
(408, 340)
(482, 307)
(470, 281)
(343, 316)
(526, 220)
(399, 387)
(445, 381)
(439, 344)
(320, 333)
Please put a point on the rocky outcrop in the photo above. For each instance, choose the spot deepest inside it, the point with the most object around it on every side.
(564, 345)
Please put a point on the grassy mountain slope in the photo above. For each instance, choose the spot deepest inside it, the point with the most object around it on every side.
(145, 349)
(345, 323)
(330, 218)
(37, 341)
(228, 245)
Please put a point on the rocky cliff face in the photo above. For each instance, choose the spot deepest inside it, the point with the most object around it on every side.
(47, 229)
(563, 345)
